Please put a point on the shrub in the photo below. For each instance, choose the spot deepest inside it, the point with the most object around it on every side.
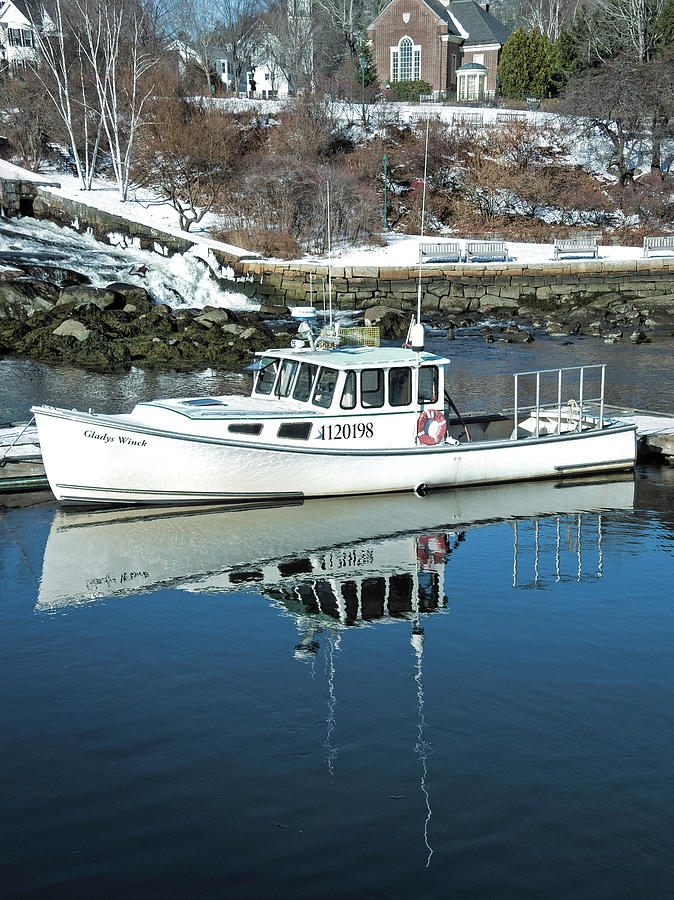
(267, 241)
(409, 91)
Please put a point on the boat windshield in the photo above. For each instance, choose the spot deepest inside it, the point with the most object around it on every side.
(267, 375)
(285, 381)
(305, 381)
(325, 387)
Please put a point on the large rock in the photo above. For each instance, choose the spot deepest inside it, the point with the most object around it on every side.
(72, 328)
(22, 298)
(216, 314)
(392, 323)
(132, 293)
(85, 295)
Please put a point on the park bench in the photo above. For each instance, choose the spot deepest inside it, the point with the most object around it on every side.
(504, 118)
(450, 251)
(576, 246)
(662, 245)
(486, 250)
(426, 98)
(467, 118)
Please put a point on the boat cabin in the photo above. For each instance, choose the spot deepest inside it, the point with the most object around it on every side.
(352, 379)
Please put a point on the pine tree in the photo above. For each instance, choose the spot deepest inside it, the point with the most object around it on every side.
(664, 26)
(540, 64)
(365, 51)
(512, 70)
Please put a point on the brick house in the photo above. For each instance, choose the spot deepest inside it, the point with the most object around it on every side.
(448, 43)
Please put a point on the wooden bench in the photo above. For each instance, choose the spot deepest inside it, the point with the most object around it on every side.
(450, 251)
(504, 118)
(662, 245)
(467, 118)
(576, 246)
(486, 250)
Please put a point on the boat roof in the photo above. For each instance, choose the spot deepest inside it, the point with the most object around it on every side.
(358, 357)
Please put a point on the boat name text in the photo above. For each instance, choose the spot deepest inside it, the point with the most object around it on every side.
(339, 432)
(110, 439)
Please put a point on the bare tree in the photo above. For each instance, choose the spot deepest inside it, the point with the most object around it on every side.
(288, 45)
(346, 16)
(61, 70)
(186, 153)
(611, 102)
(629, 24)
(194, 22)
(239, 31)
(111, 44)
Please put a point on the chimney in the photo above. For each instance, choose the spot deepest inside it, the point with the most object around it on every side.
(485, 5)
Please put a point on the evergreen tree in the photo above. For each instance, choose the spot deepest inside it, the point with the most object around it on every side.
(528, 65)
(664, 26)
(540, 59)
(365, 52)
(512, 69)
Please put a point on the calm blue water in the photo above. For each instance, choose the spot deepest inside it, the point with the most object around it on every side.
(469, 695)
(465, 696)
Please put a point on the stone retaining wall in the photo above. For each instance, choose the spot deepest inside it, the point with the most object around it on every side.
(468, 288)
(35, 199)
(449, 289)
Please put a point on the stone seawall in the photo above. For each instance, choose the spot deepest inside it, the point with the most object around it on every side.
(464, 288)
(448, 289)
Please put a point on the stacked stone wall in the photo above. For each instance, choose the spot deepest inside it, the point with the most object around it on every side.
(467, 288)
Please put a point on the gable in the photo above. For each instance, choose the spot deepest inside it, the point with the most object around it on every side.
(10, 14)
(436, 7)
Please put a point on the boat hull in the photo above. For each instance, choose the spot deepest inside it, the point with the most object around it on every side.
(97, 459)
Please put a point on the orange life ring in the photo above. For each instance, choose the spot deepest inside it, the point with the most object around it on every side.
(431, 427)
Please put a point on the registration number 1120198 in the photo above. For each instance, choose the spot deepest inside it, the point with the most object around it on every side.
(345, 432)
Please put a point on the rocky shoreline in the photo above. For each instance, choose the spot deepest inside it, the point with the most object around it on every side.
(54, 315)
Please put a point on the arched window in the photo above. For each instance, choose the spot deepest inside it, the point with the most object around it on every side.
(406, 60)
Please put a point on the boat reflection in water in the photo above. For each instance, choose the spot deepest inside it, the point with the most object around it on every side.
(337, 559)
(332, 564)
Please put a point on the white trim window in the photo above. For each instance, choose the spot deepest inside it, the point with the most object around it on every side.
(406, 60)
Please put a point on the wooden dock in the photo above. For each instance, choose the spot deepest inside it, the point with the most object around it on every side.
(21, 466)
(655, 430)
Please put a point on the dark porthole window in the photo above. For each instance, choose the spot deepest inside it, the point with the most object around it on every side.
(244, 428)
(298, 431)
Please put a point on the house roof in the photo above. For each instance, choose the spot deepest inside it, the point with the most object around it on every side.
(9, 10)
(472, 67)
(466, 19)
(481, 26)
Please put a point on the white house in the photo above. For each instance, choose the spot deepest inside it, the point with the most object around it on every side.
(17, 35)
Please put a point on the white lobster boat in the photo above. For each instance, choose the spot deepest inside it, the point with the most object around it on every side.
(324, 422)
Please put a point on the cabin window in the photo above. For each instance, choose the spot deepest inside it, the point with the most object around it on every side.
(428, 384)
(348, 400)
(372, 388)
(286, 377)
(305, 381)
(298, 431)
(245, 428)
(266, 376)
(325, 387)
(400, 387)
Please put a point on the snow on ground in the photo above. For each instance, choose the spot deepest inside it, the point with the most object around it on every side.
(400, 249)
(403, 250)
